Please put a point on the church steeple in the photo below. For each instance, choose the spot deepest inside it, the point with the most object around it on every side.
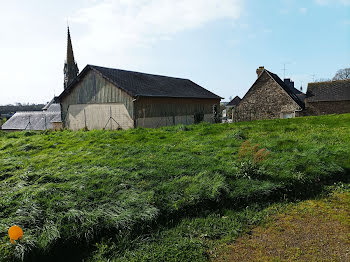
(70, 69)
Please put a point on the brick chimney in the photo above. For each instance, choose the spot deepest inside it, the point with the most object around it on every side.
(259, 70)
(289, 83)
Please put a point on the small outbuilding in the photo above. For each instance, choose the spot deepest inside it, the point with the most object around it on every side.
(107, 98)
(331, 97)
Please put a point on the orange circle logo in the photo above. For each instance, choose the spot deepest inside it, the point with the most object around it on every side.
(15, 233)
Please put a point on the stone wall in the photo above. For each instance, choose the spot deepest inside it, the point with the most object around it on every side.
(265, 100)
(327, 107)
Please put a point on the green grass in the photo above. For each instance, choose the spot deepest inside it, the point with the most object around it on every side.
(157, 194)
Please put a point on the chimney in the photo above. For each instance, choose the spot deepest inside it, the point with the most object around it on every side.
(259, 70)
(289, 83)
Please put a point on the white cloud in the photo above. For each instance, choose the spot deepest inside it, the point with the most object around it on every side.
(125, 23)
(303, 10)
(243, 25)
(252, 36)
(118, 33)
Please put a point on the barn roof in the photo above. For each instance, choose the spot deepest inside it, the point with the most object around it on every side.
(142, 84)
(337, 90)
(294, 93)
(234, 101)
(34, 120)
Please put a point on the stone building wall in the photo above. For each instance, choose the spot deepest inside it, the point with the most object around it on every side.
(265, 100)
(327, 107)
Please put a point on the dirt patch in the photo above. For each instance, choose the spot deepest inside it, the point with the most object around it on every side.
(314, 230)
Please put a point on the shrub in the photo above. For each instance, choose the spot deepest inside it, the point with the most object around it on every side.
(251, 152)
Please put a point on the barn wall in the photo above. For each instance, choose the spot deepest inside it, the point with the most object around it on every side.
(99, 116)
(265, 100)
(156, 112)
(327, 107)
(94, 89)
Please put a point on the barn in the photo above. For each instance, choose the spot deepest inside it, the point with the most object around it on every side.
(269, 97)
(107, 98)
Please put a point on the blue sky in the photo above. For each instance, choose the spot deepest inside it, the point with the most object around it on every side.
(216, 43)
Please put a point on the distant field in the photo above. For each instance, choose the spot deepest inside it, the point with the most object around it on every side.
(158, 194)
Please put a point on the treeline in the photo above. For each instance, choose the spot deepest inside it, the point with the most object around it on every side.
(10, 109)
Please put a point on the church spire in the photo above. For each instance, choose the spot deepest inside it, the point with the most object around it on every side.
(70, 66)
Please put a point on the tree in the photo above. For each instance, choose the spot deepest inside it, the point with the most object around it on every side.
(342, 74)
(322, 80)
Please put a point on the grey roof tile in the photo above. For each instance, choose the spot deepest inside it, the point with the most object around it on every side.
(338, 90)
(32, 120)
(142, 84)
(234, 101)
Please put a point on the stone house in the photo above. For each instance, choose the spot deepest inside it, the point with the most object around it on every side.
(331, 97)
(269, 97)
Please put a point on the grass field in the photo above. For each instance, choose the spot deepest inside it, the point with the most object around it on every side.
(159, 194)
(312, 230)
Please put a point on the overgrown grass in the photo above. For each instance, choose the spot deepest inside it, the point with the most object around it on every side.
(122, 189)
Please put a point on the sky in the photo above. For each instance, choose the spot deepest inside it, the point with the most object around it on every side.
(216, 43)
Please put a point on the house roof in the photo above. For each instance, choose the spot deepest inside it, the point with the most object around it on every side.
(294, 93)
(338, 90)
(234, 101)
(54, 108)
(142, 84)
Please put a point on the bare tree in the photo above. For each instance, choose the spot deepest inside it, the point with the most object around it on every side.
(322, 80)
(342, 74)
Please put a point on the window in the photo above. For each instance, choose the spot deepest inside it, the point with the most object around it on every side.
(288, 115)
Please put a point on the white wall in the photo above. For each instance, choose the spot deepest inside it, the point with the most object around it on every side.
(99, 116)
